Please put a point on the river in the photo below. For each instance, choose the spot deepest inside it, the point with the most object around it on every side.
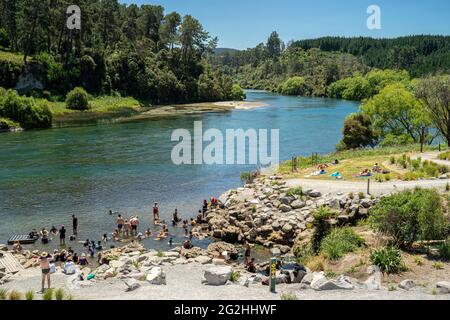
(46, 176)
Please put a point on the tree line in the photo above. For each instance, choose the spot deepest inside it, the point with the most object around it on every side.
(134, 50)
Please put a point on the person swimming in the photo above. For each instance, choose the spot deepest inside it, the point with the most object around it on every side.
(148, 233)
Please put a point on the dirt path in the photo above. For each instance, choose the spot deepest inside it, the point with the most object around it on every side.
(184, 283)
(432, 156)
(376, 188)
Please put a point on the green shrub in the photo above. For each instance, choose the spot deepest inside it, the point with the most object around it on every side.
(388, 259)
(237, 93)
(444, 250)
(379, 178)
(392, 160)
(340, 242)
(3, 294)
(303, 253)
(444, 156)
(438, 265)
(295, 86)
(410, 216)
(289, 297)
(322, 228)
(294, 192)
(48, 295)
(77, 99)
(29, 295)
(59, 294)
(24, 110)
(235, 276)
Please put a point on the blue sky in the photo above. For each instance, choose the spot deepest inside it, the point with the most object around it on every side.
(245, 23)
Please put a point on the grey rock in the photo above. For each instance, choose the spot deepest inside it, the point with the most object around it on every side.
(218, 276)
(443, 287)
(407, 284)
(298, 204)
(276, 252)
(285, 208)
(156, 276)
(314, 194)
(132, 284)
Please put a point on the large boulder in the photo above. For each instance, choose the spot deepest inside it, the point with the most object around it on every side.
(443, 287)
(131, 285)
(407, 284)
(218, 276)
(156, 276)
(374, 281)
(217, 248)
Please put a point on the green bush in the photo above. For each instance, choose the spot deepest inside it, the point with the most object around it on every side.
(237, 93)
(444, 250)
(24, 110)
(444, 156)
(294, 192)
(410, 216)
(340, 242)
(29, 295)
(77, 99)
(3, 294)
(388, 259)
(48, 295)
(295, 86)
(59, 294)
(322, 227)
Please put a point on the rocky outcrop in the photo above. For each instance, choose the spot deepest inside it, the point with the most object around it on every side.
(266, 213)
(217, 276)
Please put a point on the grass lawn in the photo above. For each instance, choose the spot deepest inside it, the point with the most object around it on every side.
(352, 163)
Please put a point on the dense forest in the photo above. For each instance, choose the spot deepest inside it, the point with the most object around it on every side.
(325, 60)
(402, 83)
(120, 50)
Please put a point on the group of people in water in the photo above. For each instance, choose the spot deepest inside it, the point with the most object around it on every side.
(127, 229)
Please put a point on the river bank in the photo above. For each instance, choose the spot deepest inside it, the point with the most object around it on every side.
(132, 110)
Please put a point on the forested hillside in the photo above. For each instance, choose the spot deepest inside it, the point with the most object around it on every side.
(320, 62)
(141, 51)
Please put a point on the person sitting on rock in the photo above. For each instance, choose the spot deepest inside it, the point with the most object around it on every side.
(82, 261)
(69, 267)
(251, 266)
(17, 247)
(188, 245)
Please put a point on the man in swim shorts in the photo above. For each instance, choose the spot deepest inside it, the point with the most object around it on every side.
(120, 222)
(44, 261)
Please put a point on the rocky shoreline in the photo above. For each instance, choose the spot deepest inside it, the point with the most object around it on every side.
(268, 213)
(265, 212)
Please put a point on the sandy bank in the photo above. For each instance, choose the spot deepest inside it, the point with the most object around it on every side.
(241, 105)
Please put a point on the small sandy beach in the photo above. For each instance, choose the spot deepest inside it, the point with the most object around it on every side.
(241, 105)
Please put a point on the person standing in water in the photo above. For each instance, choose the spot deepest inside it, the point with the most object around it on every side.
(44, 261)
(156, 212)
(75, 225)
(120, 223)
(62, 236)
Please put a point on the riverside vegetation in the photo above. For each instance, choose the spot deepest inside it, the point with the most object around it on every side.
(121, 51)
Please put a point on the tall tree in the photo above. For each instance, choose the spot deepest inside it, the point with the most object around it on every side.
(435, 93)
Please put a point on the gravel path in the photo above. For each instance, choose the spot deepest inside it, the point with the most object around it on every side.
(376, 188)
(184, 283)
